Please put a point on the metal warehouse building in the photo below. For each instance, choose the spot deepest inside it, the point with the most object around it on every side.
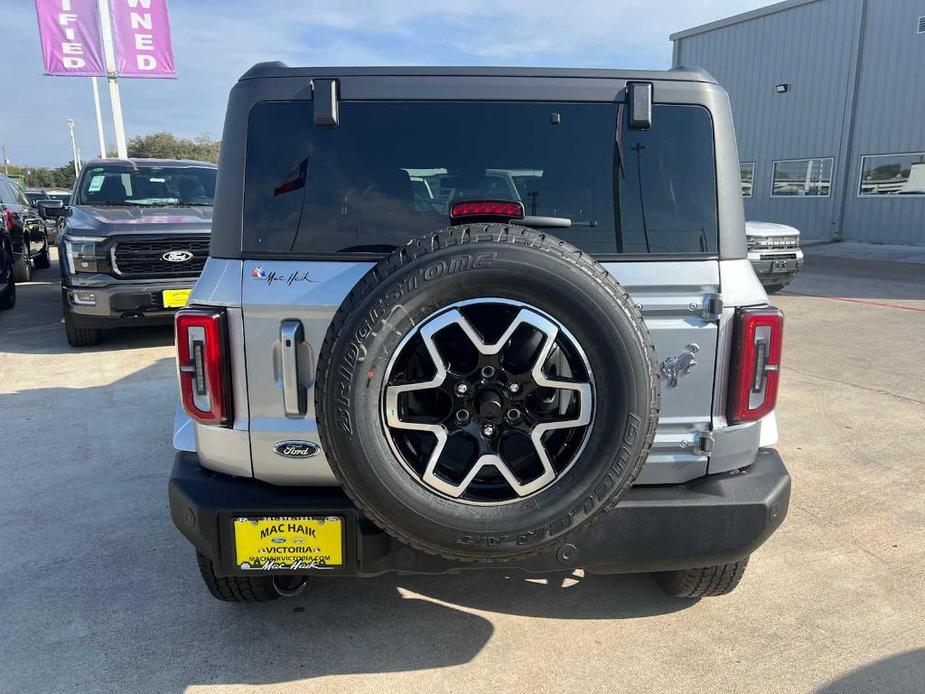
(829, 105)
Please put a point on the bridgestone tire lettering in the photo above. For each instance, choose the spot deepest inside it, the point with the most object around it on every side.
(460, 264)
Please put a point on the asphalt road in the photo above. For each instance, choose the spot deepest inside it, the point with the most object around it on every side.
(98, 592)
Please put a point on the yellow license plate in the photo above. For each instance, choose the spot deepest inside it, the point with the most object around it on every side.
(175, 298)
(298, 542)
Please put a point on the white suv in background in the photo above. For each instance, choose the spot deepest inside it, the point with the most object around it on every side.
(774, 251)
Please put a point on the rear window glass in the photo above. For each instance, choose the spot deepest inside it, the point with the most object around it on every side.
(390, 171)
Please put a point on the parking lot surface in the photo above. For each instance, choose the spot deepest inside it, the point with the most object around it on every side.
(101, 593)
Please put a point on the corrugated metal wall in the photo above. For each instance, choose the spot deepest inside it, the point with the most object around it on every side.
(814, 47)
(889, 118)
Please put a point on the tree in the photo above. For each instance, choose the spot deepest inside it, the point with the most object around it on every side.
(164, 145)
(884, 173)
(161, 145)
(44, 177)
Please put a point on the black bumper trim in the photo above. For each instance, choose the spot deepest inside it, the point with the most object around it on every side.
(125, 305)
(711, 520)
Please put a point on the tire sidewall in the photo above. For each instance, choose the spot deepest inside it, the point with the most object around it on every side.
(591, 307)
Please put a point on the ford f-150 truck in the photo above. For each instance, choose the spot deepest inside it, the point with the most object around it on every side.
(135, 239)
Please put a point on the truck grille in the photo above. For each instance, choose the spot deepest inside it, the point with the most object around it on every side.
(145, 257)
(760, 243)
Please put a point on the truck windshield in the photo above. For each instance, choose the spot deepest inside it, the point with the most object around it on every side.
(390, 171)
(147, 185)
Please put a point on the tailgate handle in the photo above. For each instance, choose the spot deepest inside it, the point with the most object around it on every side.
(291, 335)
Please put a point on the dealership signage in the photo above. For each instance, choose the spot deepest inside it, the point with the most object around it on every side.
(141, 35)
(70, 34)
(72, 37)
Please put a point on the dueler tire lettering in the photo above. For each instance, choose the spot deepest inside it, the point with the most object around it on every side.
(456, 265)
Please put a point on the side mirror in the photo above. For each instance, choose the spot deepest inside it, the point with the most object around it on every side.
(50, 209)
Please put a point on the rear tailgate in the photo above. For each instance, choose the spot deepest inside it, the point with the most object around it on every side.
(295, 301)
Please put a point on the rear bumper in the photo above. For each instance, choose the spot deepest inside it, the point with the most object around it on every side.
(776, 267)
(711, 520)
(124, 304)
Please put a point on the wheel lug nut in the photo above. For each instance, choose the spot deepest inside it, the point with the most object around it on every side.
(488, 430)
(513, 388)
(513, 415)
(462, 416)
(462, 389)
(488, 372)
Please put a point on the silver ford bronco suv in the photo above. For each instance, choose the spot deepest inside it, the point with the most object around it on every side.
(477, 317)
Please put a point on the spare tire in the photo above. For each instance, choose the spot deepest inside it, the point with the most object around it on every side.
(486, 390)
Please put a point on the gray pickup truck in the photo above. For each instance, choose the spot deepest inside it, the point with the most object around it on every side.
(135, 238)
(456, 318)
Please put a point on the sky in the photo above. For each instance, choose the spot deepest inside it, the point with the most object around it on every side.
(215, 41)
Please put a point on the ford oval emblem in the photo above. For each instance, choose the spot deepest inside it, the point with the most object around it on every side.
(177, 256)
(296, 449)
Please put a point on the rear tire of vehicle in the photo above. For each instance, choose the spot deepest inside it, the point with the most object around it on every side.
(22, 270)
(79, 337)
(8, 296)
(705, 582)
(235, 588)
(465, 264)
(774, 288)
(42, 261)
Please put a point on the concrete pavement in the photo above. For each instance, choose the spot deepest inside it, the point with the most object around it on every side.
(98, 592)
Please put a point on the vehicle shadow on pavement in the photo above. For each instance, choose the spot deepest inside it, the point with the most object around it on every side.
(902, 673)
(567, 595)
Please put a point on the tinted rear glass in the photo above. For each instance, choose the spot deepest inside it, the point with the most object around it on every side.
(390, 171)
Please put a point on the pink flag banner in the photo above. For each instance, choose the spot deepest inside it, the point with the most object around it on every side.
(141, 36)
(69, 31)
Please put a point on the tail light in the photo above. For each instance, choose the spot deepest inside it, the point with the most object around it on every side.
(203, 365)
(8, 220)
(759, 334)
(486, 210)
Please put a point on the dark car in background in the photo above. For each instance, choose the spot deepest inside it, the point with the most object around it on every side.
(25, 229)
(51, 204)
(7, 281)
(35, 195)
(135, 240)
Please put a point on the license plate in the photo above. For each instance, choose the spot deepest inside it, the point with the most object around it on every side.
(175, 298)
(296, 542)
(780, 266)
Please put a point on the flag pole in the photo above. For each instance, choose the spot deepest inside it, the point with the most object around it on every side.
(99, 118)
(111, 76)
(70, 127)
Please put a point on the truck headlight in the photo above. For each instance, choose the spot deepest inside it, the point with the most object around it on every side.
(82, 254)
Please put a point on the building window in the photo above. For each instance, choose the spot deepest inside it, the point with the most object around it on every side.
(802, 178)
(747, 174)
(892, 174)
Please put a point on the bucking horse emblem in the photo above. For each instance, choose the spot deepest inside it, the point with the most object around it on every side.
(672, 368)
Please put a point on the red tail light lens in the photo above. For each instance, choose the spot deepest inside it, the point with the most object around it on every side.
(487, 208)
(202, 362)
(759, 335)
(8, 220)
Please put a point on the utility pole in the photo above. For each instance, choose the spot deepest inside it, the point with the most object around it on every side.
(70, 127)
(111, 76)
(6, 162)
(99, 118)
